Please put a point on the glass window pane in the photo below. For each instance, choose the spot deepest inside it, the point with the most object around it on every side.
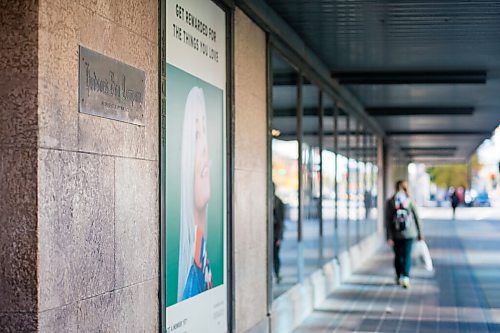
(328, 175)
(374, 174)
(367, 196)
(342, 175)
(365, 184)
(311, 178)
(285, 175)
(353, 219)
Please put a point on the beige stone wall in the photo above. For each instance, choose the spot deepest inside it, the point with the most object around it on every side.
(79, 201)
(18, 165)
(250, 212)
(97, 178)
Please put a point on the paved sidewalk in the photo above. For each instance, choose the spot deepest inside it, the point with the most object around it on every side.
(461, 295)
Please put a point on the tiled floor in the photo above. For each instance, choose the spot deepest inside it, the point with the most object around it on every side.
(462, 294)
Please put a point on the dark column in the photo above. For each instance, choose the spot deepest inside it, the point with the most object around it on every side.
(18, 165)
(300, 111)
(320, 201)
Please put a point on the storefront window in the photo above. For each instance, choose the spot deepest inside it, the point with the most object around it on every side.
(323, 176)
(328, 174)
(360, 158)
(342, 177)
(353, 203)
(366, 203)
(285, 176)
(374, 175)
(311, 172)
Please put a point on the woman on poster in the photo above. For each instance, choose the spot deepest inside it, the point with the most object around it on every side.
(195, 275)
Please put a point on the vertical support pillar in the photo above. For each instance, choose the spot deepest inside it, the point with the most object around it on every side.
(320, 201)
(358, 182)
(19, 165)
(388, 168)
(385, 178)
(300, 245)
(270, 187)
(348, 153)
(374, 161)
(364, 140)
(335, 184)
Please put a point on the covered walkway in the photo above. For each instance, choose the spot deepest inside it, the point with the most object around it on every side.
(461, 295)
(144, 145)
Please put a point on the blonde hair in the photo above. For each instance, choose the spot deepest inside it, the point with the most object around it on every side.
(402, 185)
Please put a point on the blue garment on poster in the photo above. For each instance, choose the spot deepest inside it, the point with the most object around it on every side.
(195, 283)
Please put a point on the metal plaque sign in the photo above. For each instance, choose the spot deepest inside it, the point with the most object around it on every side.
(110, 88)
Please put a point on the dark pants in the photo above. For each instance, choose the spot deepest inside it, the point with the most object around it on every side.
(277, 262)
(402, 256)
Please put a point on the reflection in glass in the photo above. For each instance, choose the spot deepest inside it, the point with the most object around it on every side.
(353, 218)
(311, 178)
(367, 197)
(285, 175)
(332, 162)
(328, 174)
(360, 198)
(374, 176)
(342, 176)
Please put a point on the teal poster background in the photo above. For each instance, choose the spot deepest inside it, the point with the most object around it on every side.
(179, 83)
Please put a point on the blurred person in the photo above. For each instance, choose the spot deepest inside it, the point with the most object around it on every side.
(368, 203)
(278, 228)
(402, 227)
(454, 200)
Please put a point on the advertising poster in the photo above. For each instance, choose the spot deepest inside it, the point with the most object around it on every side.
(195, 175)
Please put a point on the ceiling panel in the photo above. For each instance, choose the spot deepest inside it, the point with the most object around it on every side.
(455, 123)
(410, 36)
(350, 34)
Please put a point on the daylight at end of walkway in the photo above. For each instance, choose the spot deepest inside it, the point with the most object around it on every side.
(461, 294)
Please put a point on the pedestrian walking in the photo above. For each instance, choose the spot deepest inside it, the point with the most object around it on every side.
(455, 200)
(402, 227)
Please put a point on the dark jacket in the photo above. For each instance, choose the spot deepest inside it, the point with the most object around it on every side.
(414, 230)
(454, 199)
(279, 218)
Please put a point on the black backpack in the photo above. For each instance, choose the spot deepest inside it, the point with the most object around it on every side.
(401, 218)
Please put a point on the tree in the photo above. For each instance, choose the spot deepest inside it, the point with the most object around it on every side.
(475, 165)
(447, 175)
